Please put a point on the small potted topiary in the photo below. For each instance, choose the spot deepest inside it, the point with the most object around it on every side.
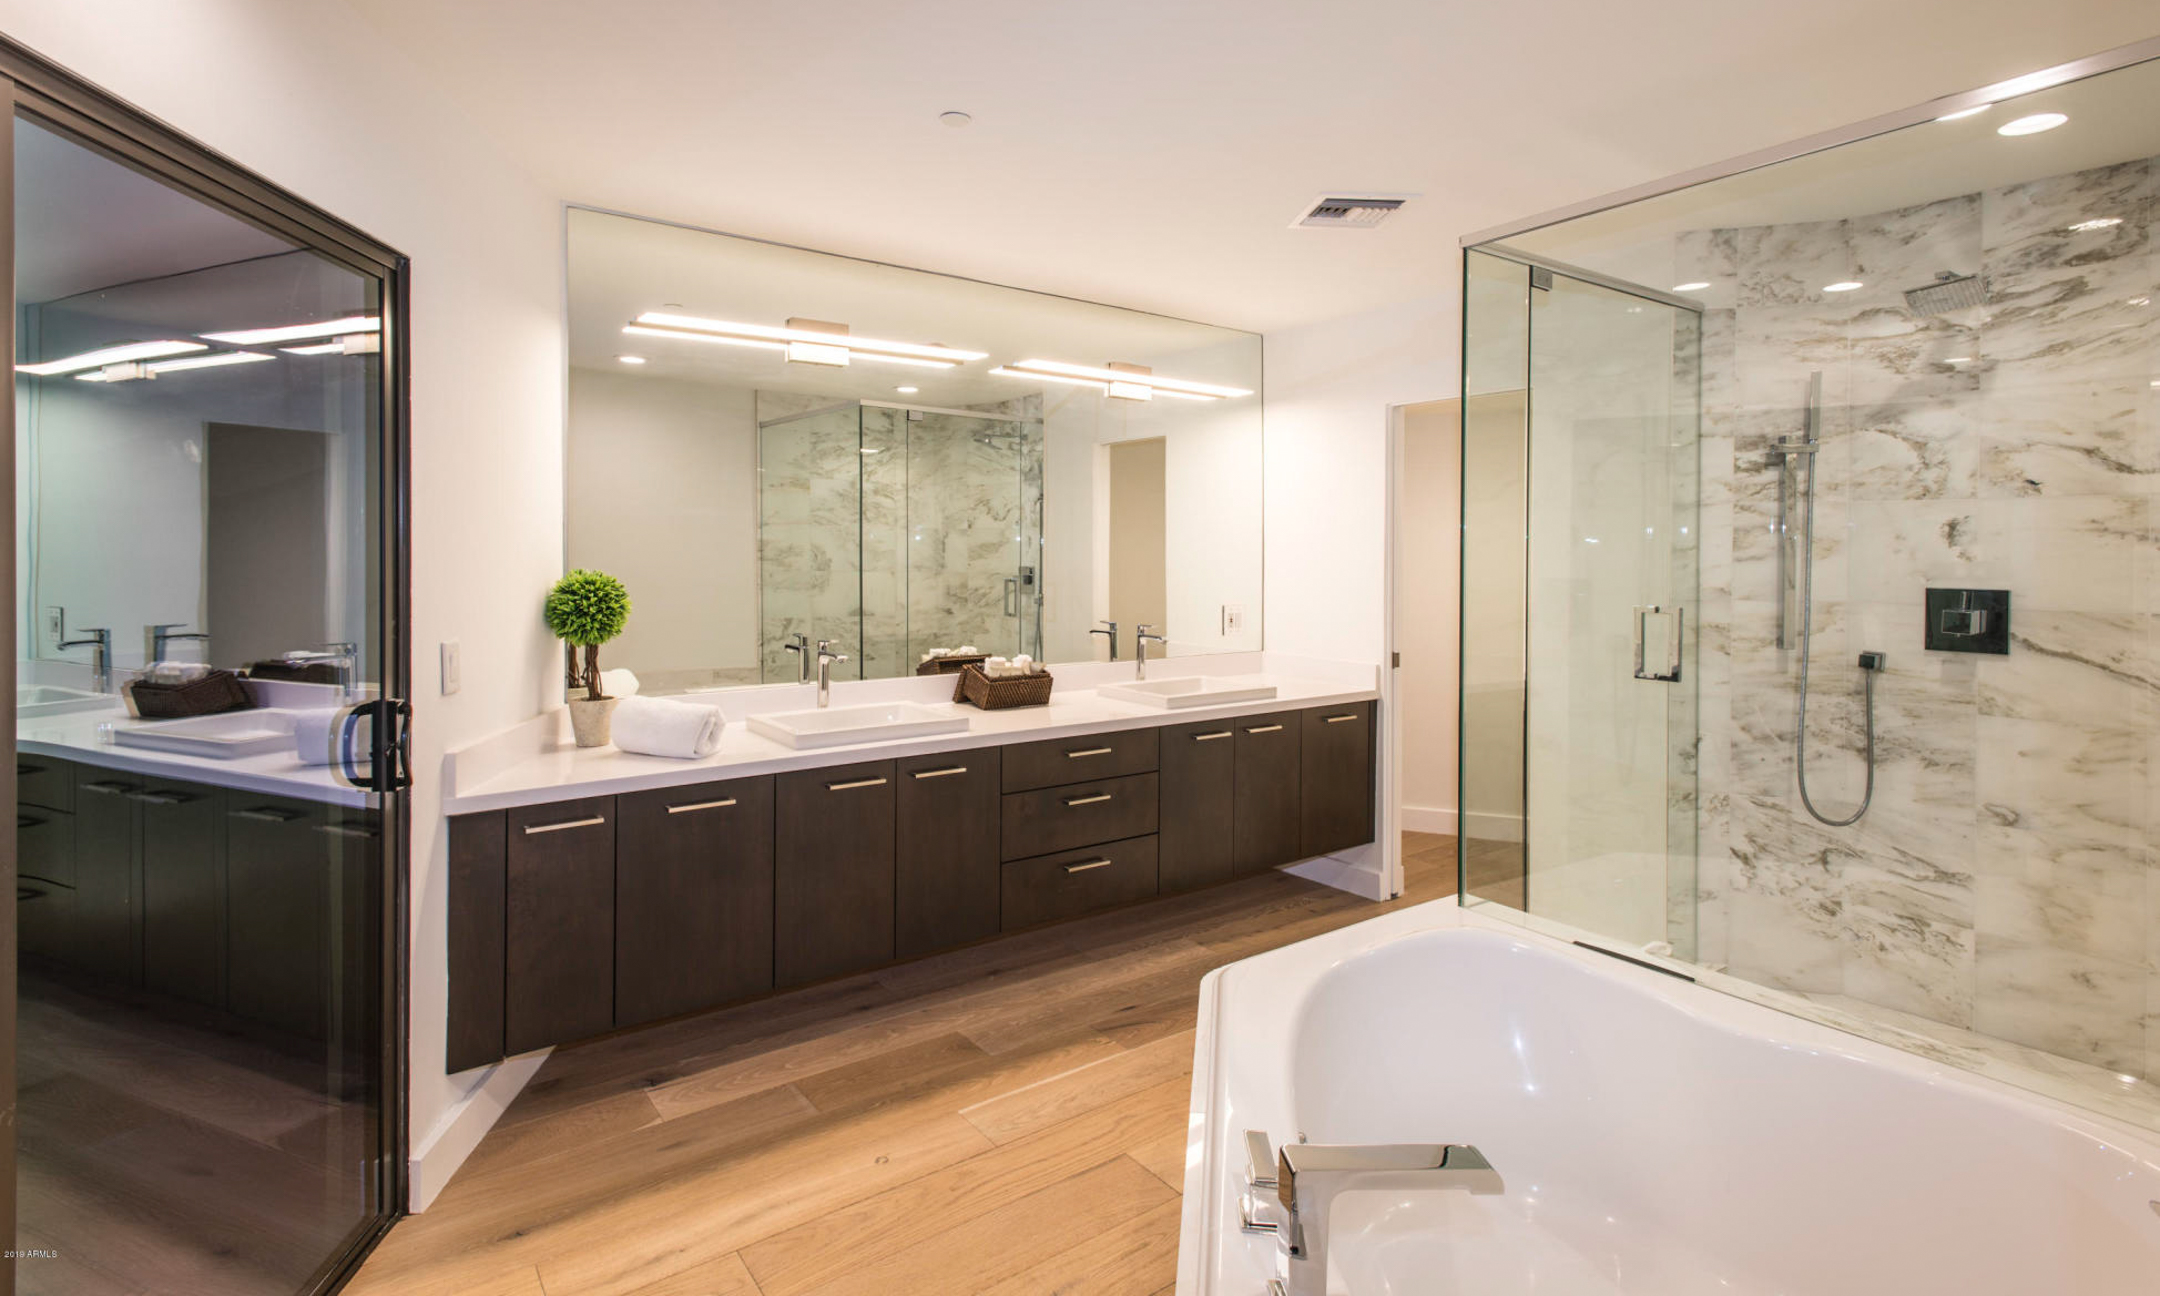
(585, 610)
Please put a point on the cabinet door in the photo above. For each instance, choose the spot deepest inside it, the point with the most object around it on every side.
(45, 845)
(693, 898)
(1336, 792)
(43, 781)
(946, 867)
(1264, 828)
(277, 913)
(44, 918)
(107, 940)
(1199, 767)
(559, 923)
(183, 890)
(479, 863)
(833, 871)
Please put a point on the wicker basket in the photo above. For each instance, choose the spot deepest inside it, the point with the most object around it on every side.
(947, 665)
(978, 689)
(220, 690)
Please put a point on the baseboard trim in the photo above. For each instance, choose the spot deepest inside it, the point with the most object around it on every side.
(1428, 819)
(1365, 877)
(1486, 826)
(463, 1126)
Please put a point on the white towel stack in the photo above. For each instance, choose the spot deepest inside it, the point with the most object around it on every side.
(312, 736)
(659, 727)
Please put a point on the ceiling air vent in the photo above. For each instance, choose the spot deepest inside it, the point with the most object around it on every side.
(1362, 212)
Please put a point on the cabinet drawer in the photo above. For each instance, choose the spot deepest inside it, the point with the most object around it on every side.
(1074, 760)
(44, 918)
(1069, 883)
(559, 928)
(45, 845)
(1078, 814)
(41, 781)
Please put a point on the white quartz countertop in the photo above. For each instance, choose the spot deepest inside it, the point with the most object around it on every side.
(76, 736)
(561, 771)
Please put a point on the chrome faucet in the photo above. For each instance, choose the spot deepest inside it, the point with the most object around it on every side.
(344, 656)
(799, 644)
(158, 636)
(1112, 633)
(825, 658)
(1140, 640)
(99, 642)
(1305, 1179)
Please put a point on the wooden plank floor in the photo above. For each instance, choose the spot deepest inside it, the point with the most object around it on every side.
(1008, 1119)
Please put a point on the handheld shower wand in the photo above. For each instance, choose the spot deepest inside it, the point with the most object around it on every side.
(1871, 663)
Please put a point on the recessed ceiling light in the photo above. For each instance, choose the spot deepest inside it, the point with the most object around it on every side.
(1843, 285)
(1962, 113)
(907, 391)
(631, 360)
(955, 119)
(2096, 223)
(1689, 287)
(2033, 124)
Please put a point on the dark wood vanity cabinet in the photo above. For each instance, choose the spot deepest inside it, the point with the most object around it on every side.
(1199, 815)
(559, 922)
(279, 870)
(572, 918)
(693, 898)
(1265, 815)
(1335, 790)
(833, 868)
(183, 890)
(946, 850)
(107, 941)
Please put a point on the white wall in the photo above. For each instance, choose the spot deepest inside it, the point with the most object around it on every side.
(319, 103)
(1428, 570)
(664, 496)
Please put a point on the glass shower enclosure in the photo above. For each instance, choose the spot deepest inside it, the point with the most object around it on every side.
(895, 529)
(1811, 624)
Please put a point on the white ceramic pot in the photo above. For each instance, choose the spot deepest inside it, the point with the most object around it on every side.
(589, 720)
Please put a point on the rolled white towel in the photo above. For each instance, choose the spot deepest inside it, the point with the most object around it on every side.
(659, 727)
(312, 737)
(620, 683)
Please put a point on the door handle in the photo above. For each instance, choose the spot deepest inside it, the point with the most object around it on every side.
(1339, 719)
(1263, 729)
(389, 754)
(1671, 672)
(1012, 596)
(1086, 865)
(1097, 798)
(590, 821)
(1088, 751)
(947, 772)
(854, 783)
(1211, 737)
(689, 806)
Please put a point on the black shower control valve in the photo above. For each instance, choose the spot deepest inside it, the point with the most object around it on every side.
(1871, 661)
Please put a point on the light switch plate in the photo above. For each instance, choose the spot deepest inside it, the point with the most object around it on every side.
(451, 668)
(1233, 618)
(55, 621)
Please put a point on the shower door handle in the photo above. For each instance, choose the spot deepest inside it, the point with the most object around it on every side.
(1671, 673)
(1012, 596)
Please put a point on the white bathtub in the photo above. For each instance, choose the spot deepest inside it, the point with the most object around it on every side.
(1654, 1137)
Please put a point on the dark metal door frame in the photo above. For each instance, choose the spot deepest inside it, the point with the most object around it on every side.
(32, 85)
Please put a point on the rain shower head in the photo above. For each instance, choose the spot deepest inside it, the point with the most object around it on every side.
(1949, 292)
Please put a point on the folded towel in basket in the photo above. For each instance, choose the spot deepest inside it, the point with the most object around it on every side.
(658, 727)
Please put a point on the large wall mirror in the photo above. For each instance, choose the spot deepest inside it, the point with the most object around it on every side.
(766, 442)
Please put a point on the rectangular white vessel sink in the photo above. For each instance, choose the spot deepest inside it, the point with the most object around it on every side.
(1190, 691)
(224, 736)
(51, 699)
(838, 725)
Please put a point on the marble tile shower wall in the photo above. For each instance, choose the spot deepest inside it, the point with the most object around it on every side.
(2005, 879)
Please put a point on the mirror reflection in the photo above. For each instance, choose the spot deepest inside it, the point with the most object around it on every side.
(773, 447)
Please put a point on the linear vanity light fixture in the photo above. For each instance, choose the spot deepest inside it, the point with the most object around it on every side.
(112, 355)
(805, 341)
(1119, 380)
(296, 332)
(129, 370)
(350, 344)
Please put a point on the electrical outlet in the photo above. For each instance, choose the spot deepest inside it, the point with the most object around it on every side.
(451, 681)
(1233, 618)
(55, 626)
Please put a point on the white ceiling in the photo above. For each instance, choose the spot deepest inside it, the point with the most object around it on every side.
(1151, 153)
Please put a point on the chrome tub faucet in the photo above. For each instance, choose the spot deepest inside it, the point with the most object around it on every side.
(1305, 1178)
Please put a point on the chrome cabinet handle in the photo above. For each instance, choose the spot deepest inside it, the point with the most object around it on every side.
(689, 806)
(1093, 799)
(1339, 719)
(1211, 737)
(108, 788)
(854, 783)
(1089, 751)
(532, 830)
(946, 772)
(163, 798)
(1085, 865)
(1263, 728)
(362, 830)
(1671, 673)
(28, 821)
(267, 814)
